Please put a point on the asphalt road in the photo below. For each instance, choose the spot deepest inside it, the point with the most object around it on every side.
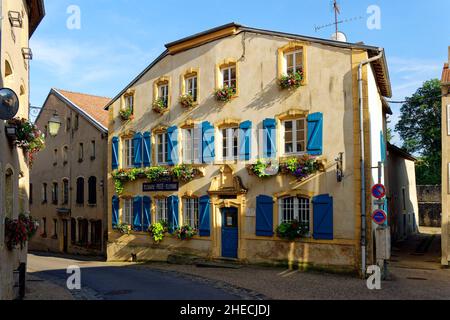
(118, 281)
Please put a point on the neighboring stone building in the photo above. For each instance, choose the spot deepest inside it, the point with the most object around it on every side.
(430, 206)
(446, 162)
(20, 18)
(68, 178)
(235, 211)
(403, 206)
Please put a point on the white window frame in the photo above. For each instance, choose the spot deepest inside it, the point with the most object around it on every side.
(129, 102)
(161, 148)
(301, 210)
(191, 84)
(163, 92)
(128, 153)
(161, 210)
(294, 136)
(228, 71)
(191, 212)
(228, 137)
(127, 212)
(294, 60)
(191, 145)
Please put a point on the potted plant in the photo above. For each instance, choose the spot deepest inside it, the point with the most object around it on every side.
(19, 231)
(160, 105)
(158, 231)
(301, 168)
(292, 80)
(187, 101)
(184, 173)
(292, 230)
(126, 114)
(185, 232)
(225, 94)
(124, 228)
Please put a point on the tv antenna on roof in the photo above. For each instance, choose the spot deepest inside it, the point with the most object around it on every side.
(336, 7)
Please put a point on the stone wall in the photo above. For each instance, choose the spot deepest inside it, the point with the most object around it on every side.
(430, 206)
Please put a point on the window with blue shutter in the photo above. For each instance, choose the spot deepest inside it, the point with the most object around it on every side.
(205, 216)
(315, 134)
(208, 150)
(137, 214)
(115, 153)
(147, 219)
(115, 211)
(137, 149)
(383, 147)
(264, 216)
(245, 141)
(172, 135)
(323, 217)
(147, 149)
(270, 136)
(172, 203)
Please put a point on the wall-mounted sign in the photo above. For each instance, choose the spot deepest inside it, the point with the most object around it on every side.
(379, 217)
(379, 191)
(161, 186)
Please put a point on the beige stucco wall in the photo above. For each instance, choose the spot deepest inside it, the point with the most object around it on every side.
(330, 89)
(44, 171)
(445, 175)
(12, 42)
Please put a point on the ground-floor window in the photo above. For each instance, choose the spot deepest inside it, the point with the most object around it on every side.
(55, 228)
(96, 233)
(161, 210)
(127, 214)
(73, 231)
(190, 212)
(295, 209)
(83, 232)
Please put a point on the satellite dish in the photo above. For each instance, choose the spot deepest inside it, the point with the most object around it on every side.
(9, 104)
(340, 36)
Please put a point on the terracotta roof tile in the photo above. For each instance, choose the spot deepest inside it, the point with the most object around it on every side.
(446, 74)
(92, 105)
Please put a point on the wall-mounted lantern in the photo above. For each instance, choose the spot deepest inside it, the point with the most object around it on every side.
(15, 19)
(27, 53)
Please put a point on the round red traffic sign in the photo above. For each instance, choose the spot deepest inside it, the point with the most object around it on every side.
(379, 217)
(379, 191)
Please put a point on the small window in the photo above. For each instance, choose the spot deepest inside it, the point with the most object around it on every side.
(295, 209)
(73, 231)
(127, 215)
(294, 61)
(76, 122)
(81, 152)
(55, 193)
(163, 93)
(65, 155)
(55, 157)
(192, 86)
(161, 210)
(68, 124)
(294, 136)
(92, 184)
(230, 144)
(44, 226)
(55, 228)
(65, 192)
(80, 191)
(128, 153)
(191, 138)
(229, 77)
(190, 212)
(93, 151)
(44, 193)
(129, 102)
(162, 148)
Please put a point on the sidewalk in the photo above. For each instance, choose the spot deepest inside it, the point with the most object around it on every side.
(38, 289)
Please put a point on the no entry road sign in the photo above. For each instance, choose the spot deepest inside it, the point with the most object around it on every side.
(379, 191)
(379, 217)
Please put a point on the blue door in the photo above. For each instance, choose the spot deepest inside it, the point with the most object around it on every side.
(230, 234)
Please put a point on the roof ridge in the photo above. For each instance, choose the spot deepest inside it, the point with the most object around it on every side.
(85, 94)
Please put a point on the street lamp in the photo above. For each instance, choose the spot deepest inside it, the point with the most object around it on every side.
(54, 124)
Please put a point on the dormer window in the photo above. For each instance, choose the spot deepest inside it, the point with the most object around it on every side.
(292, 62)
(163, 93)
(129, 102)
(229, 76)
(192, 87)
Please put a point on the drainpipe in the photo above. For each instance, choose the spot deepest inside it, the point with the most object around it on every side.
(363, 162)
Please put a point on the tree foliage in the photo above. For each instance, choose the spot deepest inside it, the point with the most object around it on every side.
(420, 129)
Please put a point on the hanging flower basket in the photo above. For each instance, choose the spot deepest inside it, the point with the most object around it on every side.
(19, 231)
(301, 168)
(292, 80)
(292, 230)
(187, 101)
(160, 105)
(225, 94)
(126, 114)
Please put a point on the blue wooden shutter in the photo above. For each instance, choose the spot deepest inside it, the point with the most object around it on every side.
(115, 211)
(270, 143)
(147, 204)
(245, 141)
(323, 217)
(208, 150)
(315, 134)
(172, 203)
(172, 135)
(115, 153)
(137, 214)
(264, 216)
(147, 150)
(137, 146)
(205, 216)
(383, 147)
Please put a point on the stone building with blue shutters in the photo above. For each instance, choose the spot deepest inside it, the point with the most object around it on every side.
(244, 134)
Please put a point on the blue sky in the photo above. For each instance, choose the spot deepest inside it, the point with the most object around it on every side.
(119, 38)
